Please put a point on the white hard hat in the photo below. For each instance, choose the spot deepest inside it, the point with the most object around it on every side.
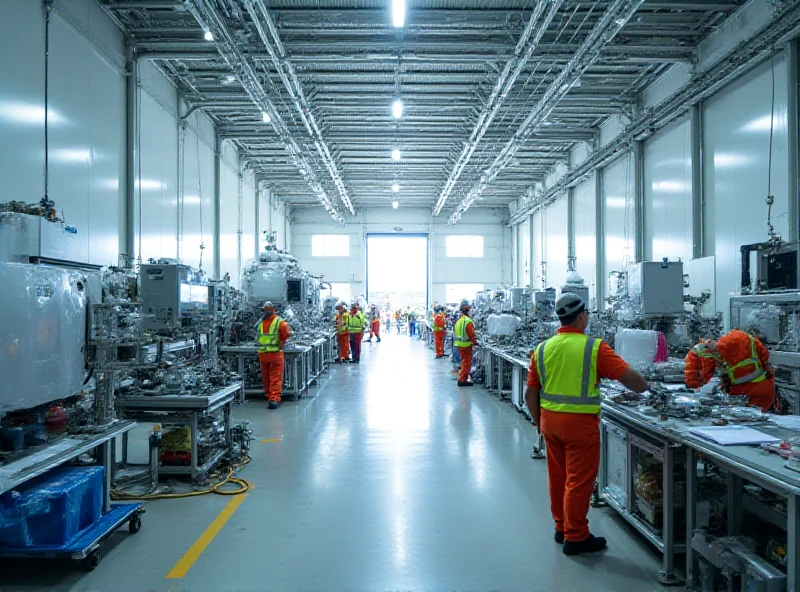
(267, 304)
(569, 304)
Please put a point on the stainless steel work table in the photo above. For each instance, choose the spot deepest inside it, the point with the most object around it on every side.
(183, 410)
(300, 369)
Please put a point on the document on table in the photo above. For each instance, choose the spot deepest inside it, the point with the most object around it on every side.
(733, 435)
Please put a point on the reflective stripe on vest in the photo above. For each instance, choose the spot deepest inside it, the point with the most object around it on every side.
(269, 342)
(344, 320)
(460, 331)
(563, 388)
(757, 375)
(355, 324)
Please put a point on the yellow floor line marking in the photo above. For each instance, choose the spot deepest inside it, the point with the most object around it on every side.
(186, 562)
(270, 440)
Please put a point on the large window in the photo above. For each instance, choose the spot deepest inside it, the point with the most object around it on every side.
(330, 245)
(464, 245)
(341, 292)
(455, 293)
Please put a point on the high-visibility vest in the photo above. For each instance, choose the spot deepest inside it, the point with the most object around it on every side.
(269, 342)
(757, 375)
(460, 331)
(355, 323)
(438, 317)
(567, 367)
(344, 320)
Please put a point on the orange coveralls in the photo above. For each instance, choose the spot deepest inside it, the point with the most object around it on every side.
(734, 348)
(375, 326)
(573, 450)
(438, 336)
(272, 364)
(699, 370)
(342, 338)
(466, 354)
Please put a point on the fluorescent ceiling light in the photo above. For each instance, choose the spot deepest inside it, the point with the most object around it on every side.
(265, 116)
(395, 204)
(396, 187)
(396, 154)
(397, 109)
(208, 36)
(398, 12)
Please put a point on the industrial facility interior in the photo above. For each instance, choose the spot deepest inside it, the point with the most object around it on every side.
(255, 252)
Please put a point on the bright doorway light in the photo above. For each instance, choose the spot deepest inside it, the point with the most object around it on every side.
(396, 154)
(397, 109)
(208, 36)
(398, 12)
(395, 204)
(396, 187)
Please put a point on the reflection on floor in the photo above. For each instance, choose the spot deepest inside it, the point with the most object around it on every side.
(388, 477)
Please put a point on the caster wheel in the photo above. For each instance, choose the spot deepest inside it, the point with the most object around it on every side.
(135, 524)
(92, 560)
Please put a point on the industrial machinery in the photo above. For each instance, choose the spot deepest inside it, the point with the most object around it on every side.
(172, 294)
(776, 266)
(656, 289)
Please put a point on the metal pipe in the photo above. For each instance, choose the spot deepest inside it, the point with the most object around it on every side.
(792, 126)
(698, 191)
(131, 156)
(270, 38)
(540, 20)
(217, 206)
(603, 33)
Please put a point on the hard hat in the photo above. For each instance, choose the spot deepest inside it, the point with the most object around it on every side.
(706, 349)
(465, 305)
(569, 304)
(340, 305)
(267, 305)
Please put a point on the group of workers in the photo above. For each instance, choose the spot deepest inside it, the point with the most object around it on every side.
(562, 395)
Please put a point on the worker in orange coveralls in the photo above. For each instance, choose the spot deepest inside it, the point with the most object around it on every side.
(374, 323)
(564, 401)
(439, 326)
(464, 339)
(700, 364)
(747, 370)
(273, 332)
(342, 332)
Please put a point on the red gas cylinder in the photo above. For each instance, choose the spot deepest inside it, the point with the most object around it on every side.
(56, 420)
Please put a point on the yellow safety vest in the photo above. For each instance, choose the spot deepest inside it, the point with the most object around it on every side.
(435, 328)
(343, 323)
(269, 342)
(460, 332)
(757, 375)
(567, 366)
(355, 324)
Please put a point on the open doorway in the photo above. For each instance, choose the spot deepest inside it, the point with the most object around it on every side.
(397, 272)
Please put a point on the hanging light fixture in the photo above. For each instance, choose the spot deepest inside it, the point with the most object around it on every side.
(265, 117)
(397, 108)
(395, 204)
(396, 187)
(396, 154)
(208, 36)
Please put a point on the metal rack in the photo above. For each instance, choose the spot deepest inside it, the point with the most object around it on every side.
(183, 410)
(35, 462)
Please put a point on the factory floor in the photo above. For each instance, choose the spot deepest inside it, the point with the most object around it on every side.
(385, 477)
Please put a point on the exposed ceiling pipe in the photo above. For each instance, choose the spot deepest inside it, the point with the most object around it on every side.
(208, 18)
(604, 32)
(538, 24)
(271, 40)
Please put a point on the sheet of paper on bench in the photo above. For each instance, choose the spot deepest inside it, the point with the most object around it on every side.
(733, 435)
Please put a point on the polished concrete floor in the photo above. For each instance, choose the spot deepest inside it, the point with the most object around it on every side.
(387, 477)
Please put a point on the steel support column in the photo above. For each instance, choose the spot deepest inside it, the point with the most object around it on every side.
(600, 254)
(257, 221)
(698, 191)
(641, 251)
(217, 198)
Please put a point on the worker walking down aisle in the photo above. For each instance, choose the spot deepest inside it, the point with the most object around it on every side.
(564, 400)
(342, 332)
(464, 336)
(439, 325)
(374, 324)
(356, 330)
(273, 332)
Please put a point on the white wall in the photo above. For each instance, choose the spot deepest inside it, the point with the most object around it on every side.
(736, 129)
(494, 269)
(556, 243)
(174, 206)
(620, 215)
(524, 253)
(585, 228)
(668, 193)
(86, 113)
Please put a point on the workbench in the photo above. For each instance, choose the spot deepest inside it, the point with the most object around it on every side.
(183, 410)
(630, 430)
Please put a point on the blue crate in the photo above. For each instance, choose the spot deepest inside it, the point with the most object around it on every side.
(52, 509)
